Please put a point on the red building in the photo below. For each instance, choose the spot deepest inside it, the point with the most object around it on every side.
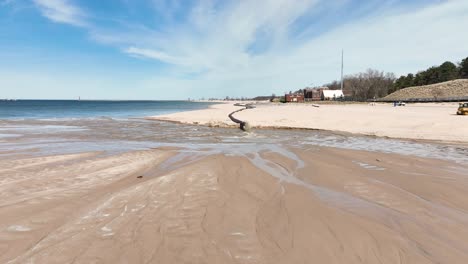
(294, 98)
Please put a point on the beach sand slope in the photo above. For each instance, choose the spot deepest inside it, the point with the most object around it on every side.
(320, 205)
(414, 121)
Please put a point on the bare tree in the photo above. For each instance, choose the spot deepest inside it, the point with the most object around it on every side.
(369, 84)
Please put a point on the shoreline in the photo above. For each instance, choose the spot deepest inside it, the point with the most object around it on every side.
(454, 128)
(334, 132)
(196, 191)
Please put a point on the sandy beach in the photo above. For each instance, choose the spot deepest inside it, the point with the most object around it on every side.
(143, 191)
(233, 132)
(413, 121)
(325, 205)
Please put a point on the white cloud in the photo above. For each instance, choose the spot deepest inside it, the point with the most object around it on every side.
(247, 48)
(62, 11)
(218, 43)
(154, 54)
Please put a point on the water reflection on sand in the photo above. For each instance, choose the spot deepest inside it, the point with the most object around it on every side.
(120, 135)
(140, 191)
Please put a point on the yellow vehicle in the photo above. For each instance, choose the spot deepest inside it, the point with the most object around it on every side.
(462, 109)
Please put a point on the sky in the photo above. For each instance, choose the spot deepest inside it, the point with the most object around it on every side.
(165, 50)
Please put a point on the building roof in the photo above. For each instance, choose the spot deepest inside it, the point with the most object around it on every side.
(316, 88)
(332, 93)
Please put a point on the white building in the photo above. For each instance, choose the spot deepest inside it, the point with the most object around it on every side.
(332, 94)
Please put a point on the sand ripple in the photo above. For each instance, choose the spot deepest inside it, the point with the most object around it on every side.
(269, 204)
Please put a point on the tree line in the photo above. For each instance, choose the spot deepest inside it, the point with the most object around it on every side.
(447, 71)
(365, 85)
(376, 84)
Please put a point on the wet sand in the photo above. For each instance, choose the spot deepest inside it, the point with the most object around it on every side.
(226, 198)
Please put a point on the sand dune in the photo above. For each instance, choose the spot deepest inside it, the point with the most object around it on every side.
(450, 89)
(316, 205)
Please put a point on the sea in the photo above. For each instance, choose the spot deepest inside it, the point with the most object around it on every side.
(52, 127)
(66, 109)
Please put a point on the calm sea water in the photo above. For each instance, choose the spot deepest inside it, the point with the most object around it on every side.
(63, 109)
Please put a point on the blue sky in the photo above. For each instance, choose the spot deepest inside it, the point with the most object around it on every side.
(161, 49)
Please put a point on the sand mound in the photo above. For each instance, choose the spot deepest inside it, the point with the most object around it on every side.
(450, 89)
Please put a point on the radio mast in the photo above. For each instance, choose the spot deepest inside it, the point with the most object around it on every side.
(341, 70)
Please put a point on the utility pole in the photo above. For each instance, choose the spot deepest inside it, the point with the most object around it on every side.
(342, 70)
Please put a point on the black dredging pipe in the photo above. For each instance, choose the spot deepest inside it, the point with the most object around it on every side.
(244, 125)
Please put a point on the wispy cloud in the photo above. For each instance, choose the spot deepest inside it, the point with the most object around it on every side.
(251, 47)
(219, 44)
(62, 11)
(215, 36)
(154, 54)
(244, 36)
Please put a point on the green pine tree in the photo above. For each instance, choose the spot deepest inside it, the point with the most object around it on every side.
(447, 72)
(463, 72)
(408, 81)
